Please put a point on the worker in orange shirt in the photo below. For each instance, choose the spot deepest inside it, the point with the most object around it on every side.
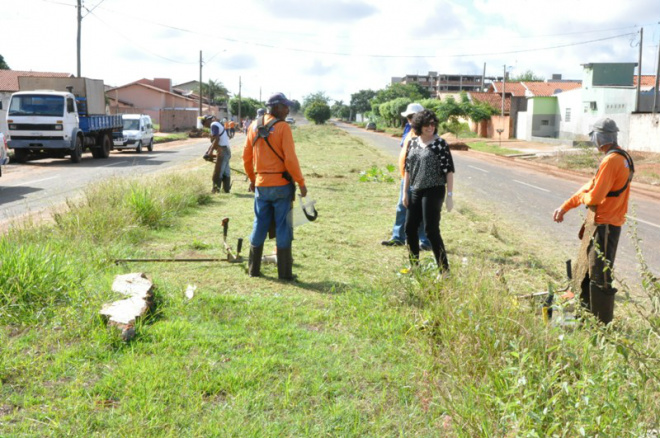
(606, 197)
(232, 128)
(270, 161)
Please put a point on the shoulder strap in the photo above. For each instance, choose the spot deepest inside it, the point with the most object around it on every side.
(263, 131)
(631, 167)
(408, 147)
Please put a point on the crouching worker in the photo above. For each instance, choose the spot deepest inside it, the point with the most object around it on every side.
(270, 161)
(219, 145)
(606, 197)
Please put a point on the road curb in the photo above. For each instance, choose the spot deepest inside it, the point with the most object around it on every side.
(643, 189)
(638, 188)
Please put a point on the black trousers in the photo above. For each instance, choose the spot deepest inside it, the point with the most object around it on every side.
(601, 254)
(424, 206)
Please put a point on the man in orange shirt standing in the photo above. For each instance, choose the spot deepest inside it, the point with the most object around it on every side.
(270, 161)
(606, 196)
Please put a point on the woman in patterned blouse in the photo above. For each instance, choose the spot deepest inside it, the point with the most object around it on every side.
(429, 170)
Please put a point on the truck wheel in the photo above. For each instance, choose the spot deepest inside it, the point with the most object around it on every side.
(106, 146)
(138, 149)
(21, 155)
(150, 146)
(76, 153)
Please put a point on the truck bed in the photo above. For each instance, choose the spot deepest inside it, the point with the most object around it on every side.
(101, 122)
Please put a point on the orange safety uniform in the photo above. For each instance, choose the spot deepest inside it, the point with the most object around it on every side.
(262, 166)
(612, 174)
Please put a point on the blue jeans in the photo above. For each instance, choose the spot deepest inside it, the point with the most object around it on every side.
(399, 229)
(221, 168)
(273, 204)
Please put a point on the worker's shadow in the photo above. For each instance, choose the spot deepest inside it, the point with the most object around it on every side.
(324, 287)
(243, 195)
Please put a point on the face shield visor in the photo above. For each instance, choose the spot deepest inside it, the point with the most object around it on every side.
(602, 138)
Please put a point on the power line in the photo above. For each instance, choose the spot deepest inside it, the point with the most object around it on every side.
(138, 46)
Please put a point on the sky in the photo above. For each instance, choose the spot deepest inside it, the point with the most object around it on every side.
(339, 47)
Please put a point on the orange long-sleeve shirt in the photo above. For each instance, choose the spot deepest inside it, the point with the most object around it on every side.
(262, 166)
(612, 175)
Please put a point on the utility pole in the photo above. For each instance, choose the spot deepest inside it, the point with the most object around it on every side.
(483, 79)
(503, 91)
(657, 79)
(639, 69)
(200, 83)
(79, 32)
(239, 98)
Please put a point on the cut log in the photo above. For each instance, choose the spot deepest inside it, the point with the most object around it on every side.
(131, 285)
(124, 313)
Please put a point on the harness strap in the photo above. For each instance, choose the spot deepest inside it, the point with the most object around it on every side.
(631, 168)
(263, 131)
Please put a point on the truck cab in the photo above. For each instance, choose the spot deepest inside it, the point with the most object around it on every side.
(59, 121)
(39, 120)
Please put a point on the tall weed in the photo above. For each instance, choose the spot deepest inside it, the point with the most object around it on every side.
(34, 278)
(506, 373)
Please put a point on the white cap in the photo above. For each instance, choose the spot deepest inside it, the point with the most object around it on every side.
(412, 109)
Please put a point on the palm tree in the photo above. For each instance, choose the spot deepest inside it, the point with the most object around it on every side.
(215, 91)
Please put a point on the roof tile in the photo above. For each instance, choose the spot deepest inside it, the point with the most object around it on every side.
(9, 78)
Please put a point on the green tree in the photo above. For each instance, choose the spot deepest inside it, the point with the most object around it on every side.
(414, 92)
(215, 91)
(391, 111)
(431, 104)
(295, 107)
(450, 113)
(3, 64)
(249, 106)
(319, 96)
(527, 76)
(340, 110)
(318, 112)
(361, 101)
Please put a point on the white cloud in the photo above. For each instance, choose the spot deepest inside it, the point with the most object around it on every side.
(337, 46)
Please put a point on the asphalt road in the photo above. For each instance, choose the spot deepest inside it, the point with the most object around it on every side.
(37, 185)
(528, 196)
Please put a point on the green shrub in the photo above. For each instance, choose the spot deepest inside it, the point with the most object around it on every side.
(318, 112)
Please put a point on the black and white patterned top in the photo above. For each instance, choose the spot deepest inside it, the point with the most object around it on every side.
(428, 165)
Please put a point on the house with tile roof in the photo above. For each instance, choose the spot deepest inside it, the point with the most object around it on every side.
(9, 85)
(156, 98)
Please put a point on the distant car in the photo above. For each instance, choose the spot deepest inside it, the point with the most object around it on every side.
(138, 132)
(290, 120)
(4, 152)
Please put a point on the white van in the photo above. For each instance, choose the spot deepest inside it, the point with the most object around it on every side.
(137, 132)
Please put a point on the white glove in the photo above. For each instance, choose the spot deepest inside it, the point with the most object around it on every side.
(449, 203)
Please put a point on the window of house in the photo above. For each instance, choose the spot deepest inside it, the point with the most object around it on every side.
(593, 106)
(567, 118)
(545, 122)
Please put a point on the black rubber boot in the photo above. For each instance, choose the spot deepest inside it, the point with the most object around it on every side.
(602, 302)
(254, 261)
(284, 264)
(226, 183)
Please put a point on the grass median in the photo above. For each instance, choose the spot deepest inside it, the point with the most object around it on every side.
(352, 348)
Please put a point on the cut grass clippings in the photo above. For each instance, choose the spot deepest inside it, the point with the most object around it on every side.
(352, 348)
